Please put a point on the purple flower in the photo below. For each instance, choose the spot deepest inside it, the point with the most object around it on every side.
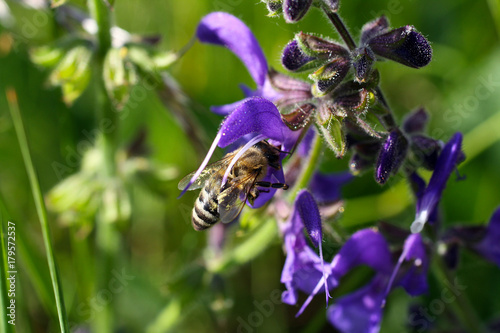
(259, 117)
(391, 156)
(489, 246)
(428, 197)
(226, 30)
(303, 267)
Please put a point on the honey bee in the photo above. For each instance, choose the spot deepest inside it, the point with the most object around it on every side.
(224, 202)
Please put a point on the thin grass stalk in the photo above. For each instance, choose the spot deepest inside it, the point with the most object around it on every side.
(40, 208)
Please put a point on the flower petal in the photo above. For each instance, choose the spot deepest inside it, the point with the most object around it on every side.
(365, 247)
(360, 311)
(254, 115)
(415, 279)
(391, 156)
(309, 213)
(226, 30)
(446, 163)
(489, 247)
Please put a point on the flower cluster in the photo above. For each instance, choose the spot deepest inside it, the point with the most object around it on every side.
(345, 104)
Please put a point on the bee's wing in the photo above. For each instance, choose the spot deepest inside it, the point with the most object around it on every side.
(205, 174)
(232, 200)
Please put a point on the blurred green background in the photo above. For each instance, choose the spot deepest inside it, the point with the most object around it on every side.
(170, 289)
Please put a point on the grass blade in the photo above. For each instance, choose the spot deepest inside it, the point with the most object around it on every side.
(40, 207)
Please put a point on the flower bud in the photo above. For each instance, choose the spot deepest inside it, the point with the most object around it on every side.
(425, 151)
(362, 62)
(294, 10)
(274, 6)
(332, 5)
(415, 122)
(404, 45)
(329, 76)
(374, 28)
(315, 46)
(391, 156)
(333, 133)
(294, 59)
(359, 164)
(299, 118)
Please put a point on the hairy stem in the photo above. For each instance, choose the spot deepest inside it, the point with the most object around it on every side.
(341, 28)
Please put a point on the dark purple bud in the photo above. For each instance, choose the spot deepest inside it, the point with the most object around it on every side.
(299, 117)
(294, 59)
(332, 5)
(273, 6)
(451, 255)
(329, 76)
(391, 156)
(318, 47)
(415, 122)
(359, 164)
(363, 61)
(356, 102)
(309, 214)
(404, 45)
(374, 28)
(425, 151)
(294, 10)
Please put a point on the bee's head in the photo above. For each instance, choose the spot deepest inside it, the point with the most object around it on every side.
(271, 153)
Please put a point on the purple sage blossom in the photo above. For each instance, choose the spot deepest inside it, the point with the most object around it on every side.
(226, 30)
(428, 197)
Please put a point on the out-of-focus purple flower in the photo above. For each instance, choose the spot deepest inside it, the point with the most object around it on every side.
(489, 246)
(428, 198)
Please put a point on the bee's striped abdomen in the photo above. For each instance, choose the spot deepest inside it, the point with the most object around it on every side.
(205, 212)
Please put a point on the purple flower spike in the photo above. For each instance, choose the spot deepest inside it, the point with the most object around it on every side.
(447, 161)
(404, 45)
(489, 246)
(360, 311)
(254, 115)
(226, 30)
(294, 10)
(294, 59)
(391, 156)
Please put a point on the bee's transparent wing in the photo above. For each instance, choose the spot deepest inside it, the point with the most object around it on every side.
(233, 199)
(204, 176)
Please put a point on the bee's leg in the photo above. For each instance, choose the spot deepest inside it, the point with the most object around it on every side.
(272, 185)
(252, 195)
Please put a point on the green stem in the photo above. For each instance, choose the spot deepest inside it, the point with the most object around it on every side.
(107, 237)
(461, 306)
(309, 167)
(40, 207)
(341, 28)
